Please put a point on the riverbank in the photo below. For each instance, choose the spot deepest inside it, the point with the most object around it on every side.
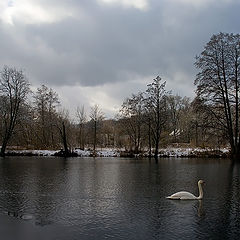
(109, 152)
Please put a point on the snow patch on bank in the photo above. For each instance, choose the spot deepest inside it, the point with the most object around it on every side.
(106, 152)
(188, 152)
(109, 152)
(82, 153)
(31, 152)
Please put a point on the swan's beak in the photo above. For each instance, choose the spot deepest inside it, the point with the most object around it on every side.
(204, 183)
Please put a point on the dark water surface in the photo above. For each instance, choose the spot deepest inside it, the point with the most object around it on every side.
(113, 198)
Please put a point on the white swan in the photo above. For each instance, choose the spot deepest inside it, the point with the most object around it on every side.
(187, 195)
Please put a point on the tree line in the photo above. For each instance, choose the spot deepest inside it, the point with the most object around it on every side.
(146, 121)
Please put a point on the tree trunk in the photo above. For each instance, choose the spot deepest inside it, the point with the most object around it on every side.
(156, 147)
(157, 130)
(235, 156)
(4, 144)
(81, 137)
(7, 136)
(236, 109)
(149, 139)
(66, 151)
(95, 137)
(3, 149)
(196, 133)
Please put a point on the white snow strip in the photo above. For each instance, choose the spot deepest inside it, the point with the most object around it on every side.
(108, 152)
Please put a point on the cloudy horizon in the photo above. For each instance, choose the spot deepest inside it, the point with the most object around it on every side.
(101, 51)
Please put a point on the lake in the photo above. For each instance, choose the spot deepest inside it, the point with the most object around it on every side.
(117, 198)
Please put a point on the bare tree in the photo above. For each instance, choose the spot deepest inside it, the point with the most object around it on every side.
(132, 117)
(205, 128)
(46, 101)
(14, 88)
(175, 106)
(53, 102)
(218, 84)
(185, 118)
(82, 119)
(179, 118)
(157, 109)
(64, 127)
(96, 116)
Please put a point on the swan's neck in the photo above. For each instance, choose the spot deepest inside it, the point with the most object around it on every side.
(200, 191)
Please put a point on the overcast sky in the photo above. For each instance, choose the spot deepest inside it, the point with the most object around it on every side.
(101, 51)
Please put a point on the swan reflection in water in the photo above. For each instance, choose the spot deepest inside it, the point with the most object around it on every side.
(186, 206)
(201, 211)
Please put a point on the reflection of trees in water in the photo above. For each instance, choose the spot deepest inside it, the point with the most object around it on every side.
(29, 187)
(13, 187)
(222, 220)
(230, 216)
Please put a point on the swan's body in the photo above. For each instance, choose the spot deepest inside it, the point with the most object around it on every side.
(187, 195)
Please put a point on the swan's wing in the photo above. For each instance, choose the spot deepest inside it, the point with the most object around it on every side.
(182, 195)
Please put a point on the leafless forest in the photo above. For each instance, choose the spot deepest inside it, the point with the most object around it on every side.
(146, 121)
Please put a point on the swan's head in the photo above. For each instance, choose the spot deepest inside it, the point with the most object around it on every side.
(201, 182)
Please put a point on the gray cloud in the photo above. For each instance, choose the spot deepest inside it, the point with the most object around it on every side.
(93, 44)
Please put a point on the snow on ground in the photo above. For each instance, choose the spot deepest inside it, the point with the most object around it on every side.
(32, 152)
(44, 152)
(110, 152)
(82, 153)
(186, 152)
(104, 152)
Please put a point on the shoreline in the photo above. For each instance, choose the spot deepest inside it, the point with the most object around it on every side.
(109, 152)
